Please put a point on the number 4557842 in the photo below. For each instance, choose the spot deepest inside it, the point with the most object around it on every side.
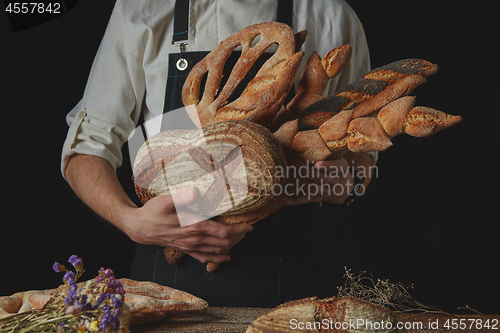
(471, 323)
(33, 8)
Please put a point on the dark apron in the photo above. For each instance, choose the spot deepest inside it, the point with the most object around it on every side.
(291, 254)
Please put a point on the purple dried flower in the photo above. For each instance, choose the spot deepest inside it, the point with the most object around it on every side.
(109, 273)
(106, 318)
(120, 291)
(117, 303)
(103, 297)
(116, 320)
(76, 262)
(58, 267)
(67, 301)
(71, 297)
(69, 278)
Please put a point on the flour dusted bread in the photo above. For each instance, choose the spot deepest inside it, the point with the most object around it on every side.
(147, 301)
(393, 116)
(345, 132)
(424, 121)
(232, 164)
(264, 94)
(366, 88)
(366, 114)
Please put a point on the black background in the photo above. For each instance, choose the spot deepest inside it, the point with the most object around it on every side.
(429, 219)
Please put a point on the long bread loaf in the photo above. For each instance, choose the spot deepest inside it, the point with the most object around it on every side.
(362, 90)
(345, 132)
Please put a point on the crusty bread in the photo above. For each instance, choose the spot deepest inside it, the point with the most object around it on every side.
(313, 81)
(285, 135)
(313, 78)
(393, 116)
(400, 88)
(261, 95)
(146, 301)
(361, 117)
(363, 90)
(336, 127)
(311, 146)
(335, 61)
(367, 134)
(149, 301)
(423, 121)
(345, 132)
(230, 163)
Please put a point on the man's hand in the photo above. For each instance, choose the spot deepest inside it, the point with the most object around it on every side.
(157, 222)
(325, 181)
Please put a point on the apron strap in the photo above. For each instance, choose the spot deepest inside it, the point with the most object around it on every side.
(181, 21)
(284, 14)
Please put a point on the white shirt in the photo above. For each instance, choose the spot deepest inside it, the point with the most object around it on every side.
(129, 73)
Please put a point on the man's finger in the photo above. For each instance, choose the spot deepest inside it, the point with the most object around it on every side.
(168, 203)
(217, 229)
(184, 196)
(209, 258)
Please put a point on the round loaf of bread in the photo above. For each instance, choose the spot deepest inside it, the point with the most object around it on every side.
(234, 165)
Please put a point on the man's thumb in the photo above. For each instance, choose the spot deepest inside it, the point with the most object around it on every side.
(185, 196)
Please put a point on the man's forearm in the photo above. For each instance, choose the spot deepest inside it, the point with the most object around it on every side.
(95, 182)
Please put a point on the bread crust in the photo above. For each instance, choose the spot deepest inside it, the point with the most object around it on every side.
(271, 83)
(206, 160)
(393, 116)
(362, 90)
(400, 88)
(336, 127)
(423, 121)
(146, 301)
(367, 134)
(310, 146)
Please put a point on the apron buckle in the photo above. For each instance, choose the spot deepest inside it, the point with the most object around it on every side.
(182, 64)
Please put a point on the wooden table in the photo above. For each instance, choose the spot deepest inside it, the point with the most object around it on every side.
(214, 319)
(236, 320)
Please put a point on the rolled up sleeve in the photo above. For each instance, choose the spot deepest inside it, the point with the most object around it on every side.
(93, 136)
(109, 110)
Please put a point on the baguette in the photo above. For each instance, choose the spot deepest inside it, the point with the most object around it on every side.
(345, 132)
(363, 116)
(362, 90)
(313, 81)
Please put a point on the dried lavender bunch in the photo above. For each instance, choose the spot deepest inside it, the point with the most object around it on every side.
(96, 307)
